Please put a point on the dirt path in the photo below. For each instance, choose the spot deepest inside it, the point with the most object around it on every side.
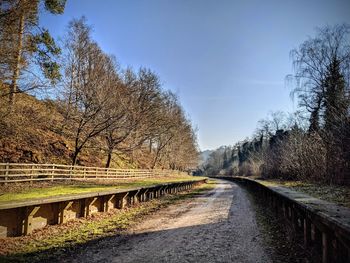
(217, 227)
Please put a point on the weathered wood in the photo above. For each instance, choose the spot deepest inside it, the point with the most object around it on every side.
(31, 175)
(6, 173)
(29, 212)
(59, 209)
(63, 207)
(86, 204)
(53, 173)
(16, 172)
(325, 247)
(105, 202)
(307, 232)
(120, 200)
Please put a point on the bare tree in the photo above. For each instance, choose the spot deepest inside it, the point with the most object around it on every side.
(90, 81)
(311, 62)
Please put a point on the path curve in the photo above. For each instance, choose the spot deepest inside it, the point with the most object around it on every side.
(219, 226)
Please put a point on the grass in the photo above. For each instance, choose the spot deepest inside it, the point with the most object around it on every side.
(339, 195)
(55, 241)
(25, 191)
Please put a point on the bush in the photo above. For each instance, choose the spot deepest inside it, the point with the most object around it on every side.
(303, 157)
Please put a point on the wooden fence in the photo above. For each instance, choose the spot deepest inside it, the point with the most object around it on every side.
(20, 172)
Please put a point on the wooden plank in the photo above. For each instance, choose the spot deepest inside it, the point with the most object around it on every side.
(35, 170)
(6, 173)
(105, 202)
(62, 198)
(63, 207)
(86, 204)
(120, 199)
(325, 248)
(28, 219)
(307, 232)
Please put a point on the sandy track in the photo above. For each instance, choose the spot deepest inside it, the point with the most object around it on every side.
(219, 226)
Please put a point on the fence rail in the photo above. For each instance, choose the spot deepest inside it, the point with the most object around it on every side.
(23, 172)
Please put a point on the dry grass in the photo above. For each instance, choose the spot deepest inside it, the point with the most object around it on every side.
(339, 195)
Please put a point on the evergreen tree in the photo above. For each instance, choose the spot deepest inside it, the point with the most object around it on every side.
(335, 102)
(23, 42)
(336, 105)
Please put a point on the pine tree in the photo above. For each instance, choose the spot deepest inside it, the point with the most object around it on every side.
(335, 101)
(23, 41)
(336, 105)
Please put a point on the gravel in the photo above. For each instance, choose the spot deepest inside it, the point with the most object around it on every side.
(219, 226)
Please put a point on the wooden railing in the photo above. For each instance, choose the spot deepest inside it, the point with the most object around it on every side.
(20, 172)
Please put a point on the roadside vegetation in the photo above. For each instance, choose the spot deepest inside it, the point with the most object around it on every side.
(53, 241)
(20, 192)
(337, 194)
(310, 147)
(68, 102)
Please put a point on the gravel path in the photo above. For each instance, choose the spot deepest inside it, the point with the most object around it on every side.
(219, 226)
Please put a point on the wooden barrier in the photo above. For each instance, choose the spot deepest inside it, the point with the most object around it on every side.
(22, 217)
(20, 172)
(323, 225)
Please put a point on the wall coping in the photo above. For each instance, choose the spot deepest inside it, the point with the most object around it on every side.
(71, 197)
(334, 216)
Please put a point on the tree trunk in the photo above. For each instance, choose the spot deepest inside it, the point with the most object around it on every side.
(155, 159)
(18, 56)
(109, 158)
(75, 157)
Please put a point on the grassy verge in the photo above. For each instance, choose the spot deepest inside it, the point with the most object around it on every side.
(54, 241)
(332, 193)
(16, 192)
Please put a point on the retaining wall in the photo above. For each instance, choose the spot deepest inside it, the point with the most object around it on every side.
(22, 217)
(324, 225)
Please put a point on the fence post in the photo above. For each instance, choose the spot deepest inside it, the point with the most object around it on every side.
(70, 172)
(47, 172)
(52, 173)
(31, 174)
(7, 168)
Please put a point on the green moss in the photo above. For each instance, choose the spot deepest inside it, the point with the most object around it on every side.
(332, 193)
(81, 187)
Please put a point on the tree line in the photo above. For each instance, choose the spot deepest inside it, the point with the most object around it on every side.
(314, 142)
(102, 106)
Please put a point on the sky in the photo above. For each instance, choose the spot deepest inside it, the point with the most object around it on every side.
(226, 59)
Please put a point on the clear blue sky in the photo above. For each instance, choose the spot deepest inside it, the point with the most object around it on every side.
(226, 60)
